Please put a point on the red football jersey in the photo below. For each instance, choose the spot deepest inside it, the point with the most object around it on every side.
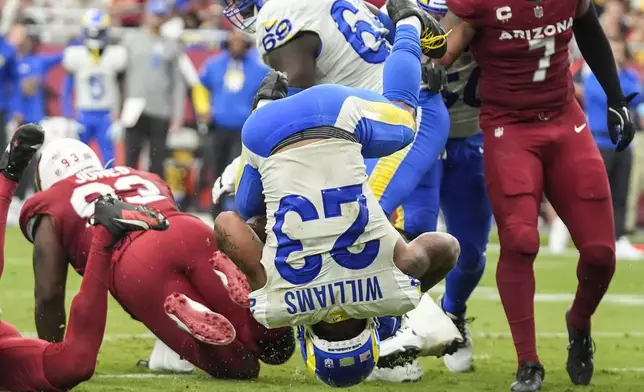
(70, 203)
(521, 47)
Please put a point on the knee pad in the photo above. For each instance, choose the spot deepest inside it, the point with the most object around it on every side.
(602, 255)
(472, 258)
(520, 238)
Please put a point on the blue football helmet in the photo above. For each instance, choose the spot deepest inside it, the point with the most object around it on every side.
(438, 7)
(96, 24)
(344, 363)
(243, 13)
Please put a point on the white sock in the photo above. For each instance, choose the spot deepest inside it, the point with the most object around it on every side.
(411, 21)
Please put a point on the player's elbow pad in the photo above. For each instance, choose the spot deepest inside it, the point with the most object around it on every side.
(249, 197)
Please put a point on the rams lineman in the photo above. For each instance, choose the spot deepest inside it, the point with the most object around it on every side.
(94, 66)
(331, 260)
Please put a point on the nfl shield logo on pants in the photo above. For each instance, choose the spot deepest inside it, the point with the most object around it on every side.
(538, 11)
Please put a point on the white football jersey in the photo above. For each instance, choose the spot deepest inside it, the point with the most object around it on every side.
(354, 48)
(95, 83)
(311, 275)
(463, 93)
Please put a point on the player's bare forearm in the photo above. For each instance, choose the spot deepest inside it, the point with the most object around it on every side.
(50, 275)
(241, 244)
(297, 59)
(460, 34)
(428, 258)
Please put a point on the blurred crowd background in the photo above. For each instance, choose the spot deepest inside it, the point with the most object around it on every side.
(217, 71)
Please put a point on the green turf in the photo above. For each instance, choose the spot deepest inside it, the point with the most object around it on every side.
(620, 358)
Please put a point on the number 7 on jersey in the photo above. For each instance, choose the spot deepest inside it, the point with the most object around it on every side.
(544, 62)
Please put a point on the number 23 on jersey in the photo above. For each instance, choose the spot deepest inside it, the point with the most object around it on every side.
(332, 199)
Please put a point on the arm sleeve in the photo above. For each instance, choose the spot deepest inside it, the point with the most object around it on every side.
(596, 50)
(67, 96)
(249, 192)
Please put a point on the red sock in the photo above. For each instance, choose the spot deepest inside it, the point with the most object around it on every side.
(7, 189)
(594, 272)
(515, 280)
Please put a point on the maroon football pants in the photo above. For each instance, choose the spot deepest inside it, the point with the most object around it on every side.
(557, 157)
(157, 264)
(36, 365)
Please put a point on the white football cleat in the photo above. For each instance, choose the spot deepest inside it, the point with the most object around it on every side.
(432, 332)
(164, 359)
(462, 360)
(406, 372)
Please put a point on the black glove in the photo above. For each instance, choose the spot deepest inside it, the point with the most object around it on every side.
(620, 123)
(273, 87)
(435, 76)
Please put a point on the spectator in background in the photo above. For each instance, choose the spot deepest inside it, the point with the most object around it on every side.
(9, 82)
(32, 71)
(232, 78)
(30, 95)
(636, 39)
(612, 18)
(618, 164)
(153, 74)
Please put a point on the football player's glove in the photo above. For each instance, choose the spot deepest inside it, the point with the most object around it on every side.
(434, 76)
(225, 184)
(273, 87)
(620, 123)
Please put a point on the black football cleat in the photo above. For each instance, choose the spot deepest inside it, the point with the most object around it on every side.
(580, 365)
(433, 39)
(120, 218)
(529, 378)
(22, 148)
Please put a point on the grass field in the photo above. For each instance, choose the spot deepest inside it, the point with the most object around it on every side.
(618, 331)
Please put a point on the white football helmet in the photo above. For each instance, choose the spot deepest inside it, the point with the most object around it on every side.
(64, 158)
